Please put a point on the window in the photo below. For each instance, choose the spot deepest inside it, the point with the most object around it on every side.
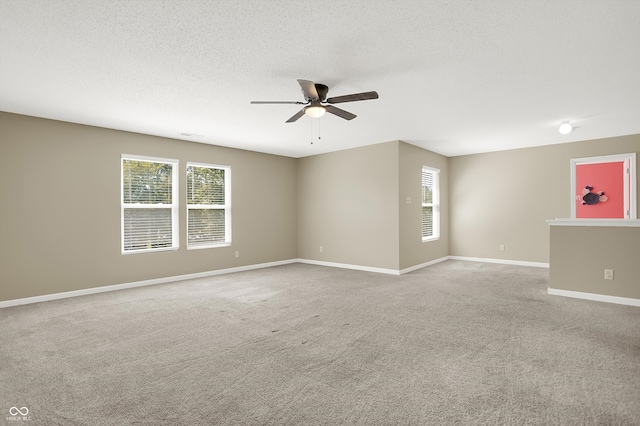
(430, 204)
(149, 204)
(208, 205)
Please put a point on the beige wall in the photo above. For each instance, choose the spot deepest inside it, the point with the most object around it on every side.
(60, 210)
(353, 204)
(412, 250)
(506, 197)
(580, 254)
(347, 203)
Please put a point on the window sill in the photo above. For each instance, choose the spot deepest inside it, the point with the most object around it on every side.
(208, 246)
(127, 253)
(426, 240)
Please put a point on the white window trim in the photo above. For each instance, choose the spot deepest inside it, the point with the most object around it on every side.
(226, 206)
(175, 236)
(435, 204)
(629, 184)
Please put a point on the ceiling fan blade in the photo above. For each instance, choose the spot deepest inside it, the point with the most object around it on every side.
(340, 112)
(295, 117)
(309, 89)
(354, 97)
(278, 102)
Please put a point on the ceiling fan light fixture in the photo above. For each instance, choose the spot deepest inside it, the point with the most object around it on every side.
(565, 128)
(315, 111)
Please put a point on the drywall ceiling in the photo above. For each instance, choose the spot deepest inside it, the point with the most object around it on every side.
(455, 77)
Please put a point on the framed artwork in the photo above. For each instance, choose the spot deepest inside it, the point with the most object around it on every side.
(604, 187)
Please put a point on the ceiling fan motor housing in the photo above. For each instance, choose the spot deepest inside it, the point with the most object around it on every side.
(322, 91)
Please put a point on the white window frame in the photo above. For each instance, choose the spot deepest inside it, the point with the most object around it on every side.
(435, 204)
(175, 237)
(226, 206)
(629, 160)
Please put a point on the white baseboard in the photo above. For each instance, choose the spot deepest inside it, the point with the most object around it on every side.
(423, 265)
(116, 287)
(502, 261)
(594, 296)
(349, 266)
(373, 269)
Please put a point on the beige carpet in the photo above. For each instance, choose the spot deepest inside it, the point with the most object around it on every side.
(457, 343)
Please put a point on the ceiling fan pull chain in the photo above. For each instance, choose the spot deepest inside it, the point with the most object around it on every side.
(315, 123)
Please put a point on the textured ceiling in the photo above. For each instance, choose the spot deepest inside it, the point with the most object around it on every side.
(455, 77)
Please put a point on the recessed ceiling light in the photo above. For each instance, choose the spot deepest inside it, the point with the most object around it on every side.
(565, 128)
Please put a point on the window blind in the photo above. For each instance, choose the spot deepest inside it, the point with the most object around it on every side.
(208, 221)
(430, 204)
(149, 208)
(147, 229)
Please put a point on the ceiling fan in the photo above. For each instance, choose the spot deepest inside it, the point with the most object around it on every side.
(315, 96)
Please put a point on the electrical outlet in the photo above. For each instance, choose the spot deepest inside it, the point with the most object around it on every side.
(237, 254)
(501, 247)
(321, 249)
(608, 274)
